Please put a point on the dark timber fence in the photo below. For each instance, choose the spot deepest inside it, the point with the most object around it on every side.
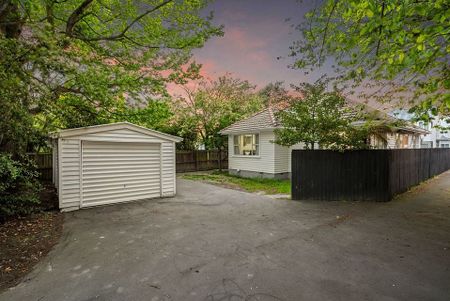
(375, 175)
(193, 160)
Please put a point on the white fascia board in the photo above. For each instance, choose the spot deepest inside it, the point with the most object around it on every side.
(243, 131)
(113, 126)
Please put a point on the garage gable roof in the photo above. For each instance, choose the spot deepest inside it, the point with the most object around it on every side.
(113, 126)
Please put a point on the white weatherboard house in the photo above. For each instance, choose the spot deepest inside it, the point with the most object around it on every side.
(437, 137)
(112, 163)
(252, 153)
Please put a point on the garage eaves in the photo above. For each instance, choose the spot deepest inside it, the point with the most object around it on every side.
(113, 126)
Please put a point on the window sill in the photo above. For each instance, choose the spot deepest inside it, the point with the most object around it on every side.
(246, 156)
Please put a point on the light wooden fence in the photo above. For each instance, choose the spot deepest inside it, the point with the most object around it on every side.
(193, 160)
(198, 160)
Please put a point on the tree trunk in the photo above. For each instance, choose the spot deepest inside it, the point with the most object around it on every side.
(10, 19)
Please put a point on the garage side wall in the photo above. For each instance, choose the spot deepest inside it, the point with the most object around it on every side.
(168, 177)
(69, 174)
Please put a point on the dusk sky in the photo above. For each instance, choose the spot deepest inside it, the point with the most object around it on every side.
(256, 33)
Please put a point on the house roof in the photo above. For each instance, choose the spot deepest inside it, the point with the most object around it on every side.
(113, 126)
(263, 120)
(266, 120)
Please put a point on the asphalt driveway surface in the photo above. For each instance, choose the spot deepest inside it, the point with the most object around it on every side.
(212, 243)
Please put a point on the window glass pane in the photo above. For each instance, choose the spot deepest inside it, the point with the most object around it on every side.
(236, 150)
(246, 145)
(248, 140)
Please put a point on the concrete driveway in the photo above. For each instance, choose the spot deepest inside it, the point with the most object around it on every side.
(211, 243)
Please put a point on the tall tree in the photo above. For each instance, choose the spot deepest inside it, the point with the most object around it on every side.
(274, 93)
(398, 50)
(214, 105)
(319, 118)
(80, 62)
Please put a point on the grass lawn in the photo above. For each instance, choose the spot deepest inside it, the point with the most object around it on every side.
(268, 186)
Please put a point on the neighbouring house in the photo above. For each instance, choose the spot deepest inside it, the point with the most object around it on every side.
(437, 136)
(112, 163)
(252, 152)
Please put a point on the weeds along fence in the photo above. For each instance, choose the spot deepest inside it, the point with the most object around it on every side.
(374, 175)
(193, 160)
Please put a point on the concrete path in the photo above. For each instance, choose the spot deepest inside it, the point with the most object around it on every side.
(211, 243)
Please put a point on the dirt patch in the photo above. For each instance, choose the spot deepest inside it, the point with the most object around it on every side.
(26, 240)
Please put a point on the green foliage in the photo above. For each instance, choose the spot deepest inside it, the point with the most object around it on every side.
(213, 106)
(19, 187)
(184, 126)
(269, 186)
(274, 94)
(320, 118)
(398, 50)
(75, 63)
(82, 62)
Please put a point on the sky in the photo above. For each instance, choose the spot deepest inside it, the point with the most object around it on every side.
(256, 41)
(256, 34)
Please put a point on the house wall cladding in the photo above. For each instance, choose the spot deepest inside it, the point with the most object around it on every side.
(264, 162)
(363, 175)
(272, 159)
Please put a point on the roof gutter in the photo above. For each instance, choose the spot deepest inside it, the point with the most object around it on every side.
(231, 132)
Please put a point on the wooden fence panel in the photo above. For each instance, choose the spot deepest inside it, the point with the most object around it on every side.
(198, 160)
(195, 160)
(375, 175)
(44, 165)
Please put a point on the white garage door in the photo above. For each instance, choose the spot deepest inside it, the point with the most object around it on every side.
(119, 172)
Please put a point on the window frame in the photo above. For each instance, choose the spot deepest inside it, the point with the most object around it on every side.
(255, 145)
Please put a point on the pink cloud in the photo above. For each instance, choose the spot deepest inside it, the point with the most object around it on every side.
(209, 69)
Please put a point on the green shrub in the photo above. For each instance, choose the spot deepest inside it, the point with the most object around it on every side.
(19, 187)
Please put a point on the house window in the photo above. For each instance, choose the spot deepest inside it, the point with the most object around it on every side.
(246, 145)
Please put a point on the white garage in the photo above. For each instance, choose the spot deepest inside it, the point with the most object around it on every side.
(112, 163)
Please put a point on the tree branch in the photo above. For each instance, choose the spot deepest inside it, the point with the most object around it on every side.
(121, 34)
(326, 29)
(380, 29)
(76, 16)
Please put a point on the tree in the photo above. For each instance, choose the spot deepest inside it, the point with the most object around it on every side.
(76, 63)
(397, 50)
(320, 118)
(274, 93)
(83, 62)
(214, 105)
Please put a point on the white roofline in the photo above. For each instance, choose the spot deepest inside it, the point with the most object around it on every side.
(113, 126)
